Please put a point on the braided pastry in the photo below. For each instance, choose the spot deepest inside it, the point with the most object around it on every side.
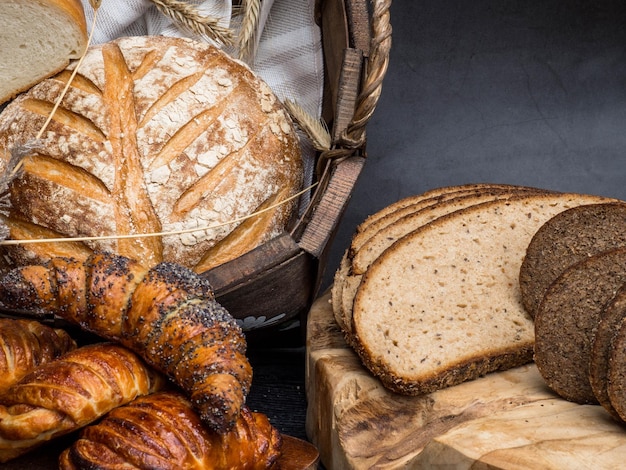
(68, 393)
(166, 314)
(27, 344)
(163, 431)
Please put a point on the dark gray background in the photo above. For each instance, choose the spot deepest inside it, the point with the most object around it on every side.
(521, 92)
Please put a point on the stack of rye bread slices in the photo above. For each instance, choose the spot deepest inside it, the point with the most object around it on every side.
(449, 285)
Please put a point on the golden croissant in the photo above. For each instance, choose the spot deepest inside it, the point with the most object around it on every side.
(27, 344)
(68, 393)
(167, 314)
(163, 431)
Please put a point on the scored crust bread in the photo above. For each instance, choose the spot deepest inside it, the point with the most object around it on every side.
(156, 134)
(611, 317)
(442, 304)
(39, 39)
(564, 240)
(567, 318)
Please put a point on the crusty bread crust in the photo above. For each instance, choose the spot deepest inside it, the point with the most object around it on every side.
(156, 134)
(442, 304)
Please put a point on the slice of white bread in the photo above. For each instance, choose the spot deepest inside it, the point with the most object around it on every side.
(39, 38)
(376, 222)
(442, 304)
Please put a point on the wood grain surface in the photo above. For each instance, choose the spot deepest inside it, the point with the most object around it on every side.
(505, 420)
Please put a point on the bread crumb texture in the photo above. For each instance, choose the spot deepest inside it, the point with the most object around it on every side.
(155, 134)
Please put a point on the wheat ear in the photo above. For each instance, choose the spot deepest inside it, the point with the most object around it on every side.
(188, 16)
(250, 11)
(315, 129)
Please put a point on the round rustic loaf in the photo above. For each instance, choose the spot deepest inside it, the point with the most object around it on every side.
(155, 135)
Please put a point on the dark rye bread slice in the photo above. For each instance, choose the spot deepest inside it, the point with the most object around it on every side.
(564, 240)
(567, 318)
(610, 320)
(442, 304)
(616, 383)
(388, 235)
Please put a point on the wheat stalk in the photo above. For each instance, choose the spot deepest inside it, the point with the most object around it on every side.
(250, 11)
(315, 129)
(188, 16)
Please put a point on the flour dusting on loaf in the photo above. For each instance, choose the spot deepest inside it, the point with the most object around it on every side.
(155, 134)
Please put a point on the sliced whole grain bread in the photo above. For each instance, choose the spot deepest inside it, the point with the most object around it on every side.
(610, 320)
(564, 240)
(387, 215)
(616, 383)
(567, 318)
(416, 198)
(442, 304)
(379, 242)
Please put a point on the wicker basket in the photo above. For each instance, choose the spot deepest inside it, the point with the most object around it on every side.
(277, 282)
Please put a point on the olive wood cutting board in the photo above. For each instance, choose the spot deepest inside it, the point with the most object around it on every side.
(505, 420)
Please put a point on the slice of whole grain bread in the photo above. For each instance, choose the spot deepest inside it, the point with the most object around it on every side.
(342, 302)
(442, 304)
(388, 235)
(564, 240)
(567, 318)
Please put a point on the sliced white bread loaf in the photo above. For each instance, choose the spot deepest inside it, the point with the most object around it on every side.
(567, 238)
(39, 38)
(442, 304)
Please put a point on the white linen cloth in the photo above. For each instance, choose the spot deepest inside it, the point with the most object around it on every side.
(289, 53)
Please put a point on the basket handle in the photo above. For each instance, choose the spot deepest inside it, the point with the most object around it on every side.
(353, 136)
